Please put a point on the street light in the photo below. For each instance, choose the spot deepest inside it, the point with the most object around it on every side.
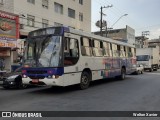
(107, 32)
(119, 19)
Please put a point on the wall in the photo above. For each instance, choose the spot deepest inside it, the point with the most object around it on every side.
(7, 6)
(23, 7)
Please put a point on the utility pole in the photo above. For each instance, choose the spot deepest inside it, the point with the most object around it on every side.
(101, 19)
(144, 33)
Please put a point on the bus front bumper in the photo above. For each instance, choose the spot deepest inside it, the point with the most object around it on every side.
(44, 82)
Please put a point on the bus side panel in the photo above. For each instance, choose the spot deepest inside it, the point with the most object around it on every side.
(71, 78)
(130, 62)
(117, 66)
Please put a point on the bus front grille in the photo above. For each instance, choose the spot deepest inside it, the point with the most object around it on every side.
(37, 72)
(37, 77)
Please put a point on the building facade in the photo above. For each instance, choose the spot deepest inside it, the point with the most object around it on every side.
(9, 33)
(141, 42)
(125, 34)
(35, 14)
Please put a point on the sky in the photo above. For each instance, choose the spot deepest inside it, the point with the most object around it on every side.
(143, 15)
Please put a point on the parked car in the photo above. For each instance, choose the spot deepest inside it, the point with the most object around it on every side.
(139, 69)
(13, 80)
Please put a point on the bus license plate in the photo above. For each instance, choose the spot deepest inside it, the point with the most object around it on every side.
(35, 80)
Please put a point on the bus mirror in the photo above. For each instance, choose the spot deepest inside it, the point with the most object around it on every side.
(72, 44)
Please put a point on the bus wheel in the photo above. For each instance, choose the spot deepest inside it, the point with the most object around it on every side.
(123, 74)
(85, 81)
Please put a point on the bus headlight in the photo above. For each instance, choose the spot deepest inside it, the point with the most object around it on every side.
(24, 76)
(55, 76)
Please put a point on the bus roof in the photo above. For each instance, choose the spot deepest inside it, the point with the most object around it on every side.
(61, 29)
(98, 37)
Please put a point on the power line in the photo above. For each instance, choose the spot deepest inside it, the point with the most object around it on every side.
(101, 17)
(112, 10)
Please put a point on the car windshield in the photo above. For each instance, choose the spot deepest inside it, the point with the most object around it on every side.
(143, 58)
(43, 52)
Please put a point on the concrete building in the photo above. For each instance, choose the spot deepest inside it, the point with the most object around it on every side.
(125, 34)
(141, 42)
(35, 14)
(9, 33)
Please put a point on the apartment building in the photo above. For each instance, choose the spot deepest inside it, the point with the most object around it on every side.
(141, 42)
(125, 34)
(36, 14)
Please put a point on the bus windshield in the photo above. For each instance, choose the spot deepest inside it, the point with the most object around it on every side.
(143, 58)
(43, 52)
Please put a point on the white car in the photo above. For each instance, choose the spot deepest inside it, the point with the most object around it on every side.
(139, 69)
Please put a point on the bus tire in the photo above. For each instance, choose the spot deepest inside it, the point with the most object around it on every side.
(85, 80)
(123, 74)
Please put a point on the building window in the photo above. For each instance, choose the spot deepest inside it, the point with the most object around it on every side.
(80, 16)
(81, 2)
(57, 24)
(45, 4)
(58, 8)
(71, 13)
(44, 23)
(30, 20)
(31, 1)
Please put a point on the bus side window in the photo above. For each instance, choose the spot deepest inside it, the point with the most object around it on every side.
(97, 48)
(71, 52)
(66, 47)
(106, 49)
(118, 51)
(86, 46)
(129, 52)
(114, 50)
(74, 48)
(111, 50)
(133, 52)
(122, 51)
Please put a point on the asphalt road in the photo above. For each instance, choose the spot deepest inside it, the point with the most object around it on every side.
(135, 93)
